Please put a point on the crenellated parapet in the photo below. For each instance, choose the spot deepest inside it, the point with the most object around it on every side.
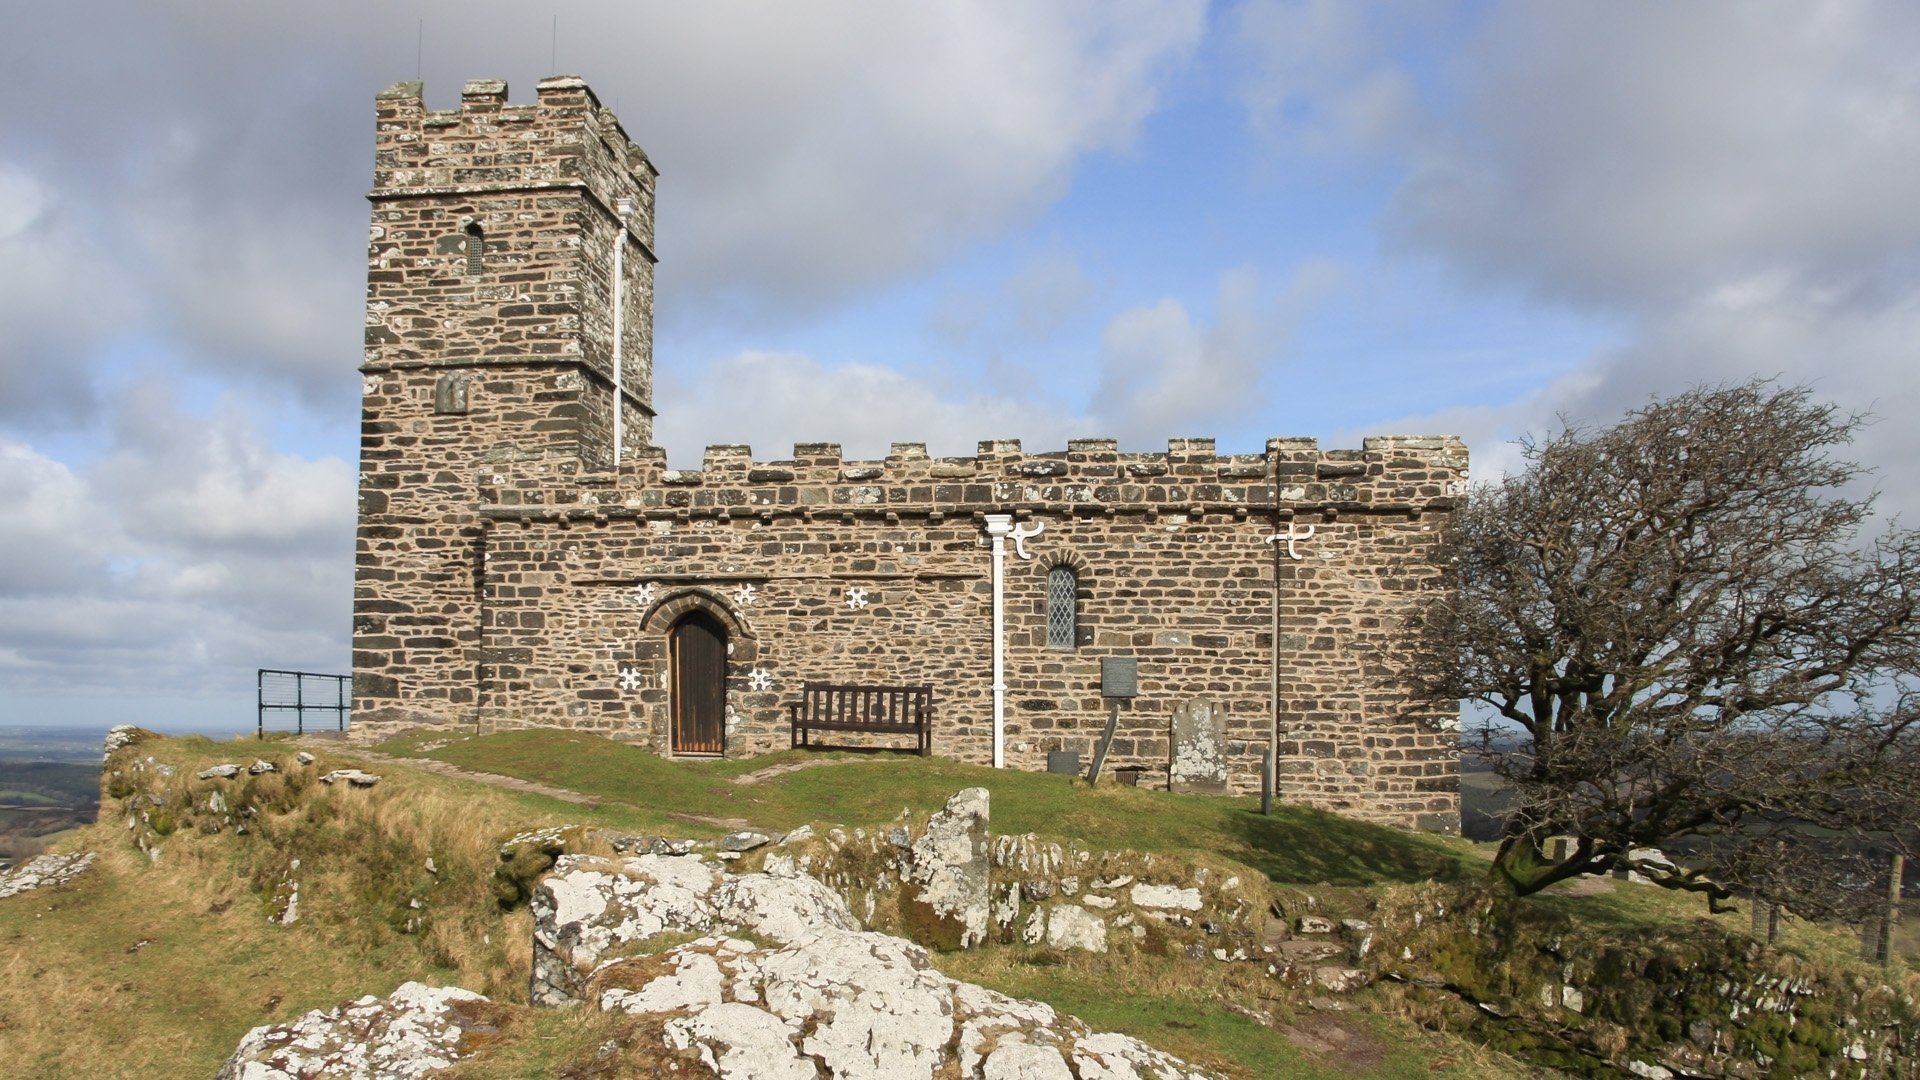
(567, 140)
(1406, 475)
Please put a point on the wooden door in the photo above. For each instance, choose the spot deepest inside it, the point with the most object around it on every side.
(699, 648)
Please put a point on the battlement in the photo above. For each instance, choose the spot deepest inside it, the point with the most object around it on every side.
(1391, 474)
(567, 139)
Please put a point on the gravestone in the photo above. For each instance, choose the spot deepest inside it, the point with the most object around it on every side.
(1199, 764)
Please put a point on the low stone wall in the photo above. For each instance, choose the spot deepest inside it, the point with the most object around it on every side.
(1698, 1002)
(947, 883)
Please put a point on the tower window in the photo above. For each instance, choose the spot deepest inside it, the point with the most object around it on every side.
(1062, 586)
(476, 248)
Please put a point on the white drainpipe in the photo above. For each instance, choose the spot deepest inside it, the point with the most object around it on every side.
(999, 527)
(625, 208)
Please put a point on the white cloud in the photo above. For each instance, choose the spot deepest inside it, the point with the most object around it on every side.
(1645, 155)
(842, 145)
(189, 552)
(1161, 371)
(808, 151)
(1321, 74)
(1728, 181)
(60, 296)
(1032, 306)
(211, 484)
(773, 400)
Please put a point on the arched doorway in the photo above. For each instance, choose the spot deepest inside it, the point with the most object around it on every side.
(697, 645)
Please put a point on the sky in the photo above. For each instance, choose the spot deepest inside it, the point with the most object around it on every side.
(935, 222)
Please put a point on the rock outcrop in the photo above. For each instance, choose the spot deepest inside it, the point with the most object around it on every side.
(821, 997)
(589, 908)
(44, 871)
(409, 1034)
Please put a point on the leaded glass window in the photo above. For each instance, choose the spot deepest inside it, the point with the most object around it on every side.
(476, 248)
(1062, 583)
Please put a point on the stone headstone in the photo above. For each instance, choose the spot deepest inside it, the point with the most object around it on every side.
(1199, 764)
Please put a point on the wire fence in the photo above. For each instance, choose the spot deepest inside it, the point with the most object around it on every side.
(297, 701)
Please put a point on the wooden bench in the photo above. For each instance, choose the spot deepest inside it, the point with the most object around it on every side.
(871, 710)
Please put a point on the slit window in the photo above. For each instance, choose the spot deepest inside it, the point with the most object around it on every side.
(1062, 588)
(476, 248)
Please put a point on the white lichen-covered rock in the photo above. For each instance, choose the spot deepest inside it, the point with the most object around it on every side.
(44, 871)
(410, 1033)
(218, 772)
(353, 777)
(1070, 927)
(948, 866)
(744, 840)
(824, 999)
(856, 1005)
(118, 736)
(588, 906)
(1165, 897)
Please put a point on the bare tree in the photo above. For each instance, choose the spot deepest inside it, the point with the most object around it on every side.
(1702, 654)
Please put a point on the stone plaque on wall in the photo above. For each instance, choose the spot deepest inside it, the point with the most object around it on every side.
(1199, 764)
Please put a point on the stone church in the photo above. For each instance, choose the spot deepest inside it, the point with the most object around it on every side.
(526, 557)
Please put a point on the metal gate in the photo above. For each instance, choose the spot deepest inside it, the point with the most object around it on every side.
(287, 699)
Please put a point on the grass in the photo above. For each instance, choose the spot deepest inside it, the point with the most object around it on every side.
(157, 968)
(1295, 845)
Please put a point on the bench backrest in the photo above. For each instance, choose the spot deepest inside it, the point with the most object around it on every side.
(865, 704)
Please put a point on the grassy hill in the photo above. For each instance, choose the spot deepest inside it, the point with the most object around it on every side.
(157, 966)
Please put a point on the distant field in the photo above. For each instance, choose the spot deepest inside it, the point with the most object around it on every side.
(39, 799)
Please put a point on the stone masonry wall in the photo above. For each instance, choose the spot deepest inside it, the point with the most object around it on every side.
(464, 368)
(824, 569)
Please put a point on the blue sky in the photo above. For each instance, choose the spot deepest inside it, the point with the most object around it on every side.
(930, 222)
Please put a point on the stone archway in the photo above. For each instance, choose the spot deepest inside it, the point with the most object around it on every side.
(698, 641)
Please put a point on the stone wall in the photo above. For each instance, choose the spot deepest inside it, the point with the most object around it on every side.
(824, 569)
(482, 357)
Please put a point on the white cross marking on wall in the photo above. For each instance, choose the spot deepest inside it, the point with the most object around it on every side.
(643, 593)
(856, 598)
(759, 679)
(1292, 536)
(631, 678)
(745, 594)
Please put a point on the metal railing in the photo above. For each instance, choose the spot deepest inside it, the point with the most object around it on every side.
(301, 693)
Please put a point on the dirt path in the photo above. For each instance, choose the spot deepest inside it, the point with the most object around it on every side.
(782, 769)
(510, 783)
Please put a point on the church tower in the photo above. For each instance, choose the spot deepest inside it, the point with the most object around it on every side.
(509, 322)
